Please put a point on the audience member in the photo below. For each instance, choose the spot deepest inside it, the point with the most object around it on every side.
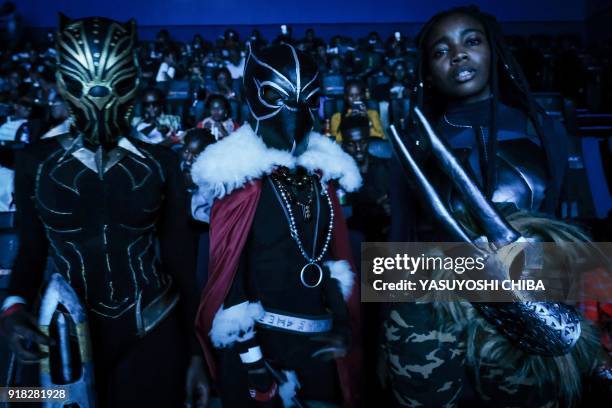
(219, 121)
(370, 204)
(398, 87)
(235, 63)
(355, 105)
(154, 126)
(167, 69)
(224, 84)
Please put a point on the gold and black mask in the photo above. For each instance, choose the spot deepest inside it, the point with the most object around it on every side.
(98, 76)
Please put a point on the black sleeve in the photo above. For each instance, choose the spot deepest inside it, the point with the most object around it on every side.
(237, 297)
(29, 266)
(402, 205)
(178, 243)
(555, 140)
(238, 292)
(338, 307)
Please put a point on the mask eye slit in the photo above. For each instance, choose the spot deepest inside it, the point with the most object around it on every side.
(270, 94)
(73, 86)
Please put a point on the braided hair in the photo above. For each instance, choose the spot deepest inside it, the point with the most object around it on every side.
(507, 83)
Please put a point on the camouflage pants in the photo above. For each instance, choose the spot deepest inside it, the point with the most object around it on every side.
(426, 366)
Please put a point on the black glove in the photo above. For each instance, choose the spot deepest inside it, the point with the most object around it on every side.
(23, 336)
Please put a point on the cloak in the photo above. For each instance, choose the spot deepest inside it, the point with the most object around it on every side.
(229, 174)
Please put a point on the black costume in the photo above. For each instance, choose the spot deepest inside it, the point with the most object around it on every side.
(270, 249)
(111, 212)
(369, 215)
(464, 127)
(277, 279)
(451, 352)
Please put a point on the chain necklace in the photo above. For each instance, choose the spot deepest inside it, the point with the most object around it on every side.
(304, 207)
(312, 262)
(299, 179)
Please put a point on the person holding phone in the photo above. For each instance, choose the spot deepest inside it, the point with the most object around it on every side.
(354, 104)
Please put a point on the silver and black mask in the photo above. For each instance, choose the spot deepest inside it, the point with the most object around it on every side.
(98, 76)
(282, 90)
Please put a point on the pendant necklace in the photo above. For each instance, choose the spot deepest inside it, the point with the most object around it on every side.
(312, 262)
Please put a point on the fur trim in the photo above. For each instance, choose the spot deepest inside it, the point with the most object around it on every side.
(288, 389)
(341, 271)
(235, 323)
(334, 163)
(487, 349)
(243, 156)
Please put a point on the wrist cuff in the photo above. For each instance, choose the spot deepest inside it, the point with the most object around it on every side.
(252, 355)
(12, 300)
(264, 396)
(12, 309)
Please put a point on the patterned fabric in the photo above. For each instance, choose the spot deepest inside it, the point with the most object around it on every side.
(425, 365)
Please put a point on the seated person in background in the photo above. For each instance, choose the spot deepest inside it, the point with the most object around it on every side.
(195, 141)
(312, 42)
(354, 105)
(194, 72)
(374, 43)
(255, 40)
(231, 40)
(219, 121)
(223, 84)
(235, 63)
(21, 126)
(370, 204)
(398, 87)
(167, 69)
(155, 126)
(336, 65)
(59, 118)
(320, 57)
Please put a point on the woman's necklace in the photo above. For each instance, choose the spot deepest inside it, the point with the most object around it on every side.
(455, 124)
(312, 261)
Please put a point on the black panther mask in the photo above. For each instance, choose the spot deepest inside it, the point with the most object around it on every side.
(98, 76)
(282, 91)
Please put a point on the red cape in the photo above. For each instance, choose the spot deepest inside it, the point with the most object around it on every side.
(230, 222)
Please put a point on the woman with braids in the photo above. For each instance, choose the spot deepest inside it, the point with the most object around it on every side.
(509, 167)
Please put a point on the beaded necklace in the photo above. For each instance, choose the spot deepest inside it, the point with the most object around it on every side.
(311, 261)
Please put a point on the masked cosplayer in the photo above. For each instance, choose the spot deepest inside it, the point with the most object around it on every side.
(280, 305)
(488, 168)
(100, 204)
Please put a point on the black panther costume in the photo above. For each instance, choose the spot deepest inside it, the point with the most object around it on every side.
(279, 281)
(111, 213)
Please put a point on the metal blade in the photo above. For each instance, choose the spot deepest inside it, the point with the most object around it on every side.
(61, 306)
(427, 190)
(495, 227)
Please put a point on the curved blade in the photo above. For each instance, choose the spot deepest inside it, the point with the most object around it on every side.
(61, 297)
(427, 190)
(496, 228)
(60, 292)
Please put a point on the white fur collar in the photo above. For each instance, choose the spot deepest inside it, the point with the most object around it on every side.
(242, 157)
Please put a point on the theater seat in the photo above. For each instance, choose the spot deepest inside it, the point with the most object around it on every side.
(178, 90)
(332, 85)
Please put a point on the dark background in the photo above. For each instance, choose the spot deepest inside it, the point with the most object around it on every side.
(352, 18)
